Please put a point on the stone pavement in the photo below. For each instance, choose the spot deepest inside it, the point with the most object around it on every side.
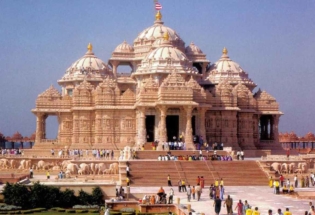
(257, 196)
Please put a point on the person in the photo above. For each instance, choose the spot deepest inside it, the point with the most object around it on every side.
(211, 193)
(270, 182)
(279, 212)
(302, 181)
(179, 183)
(242, 155)
(52, 152)
(169, 182)
(217, 205)
(198, 180)
(310, 204)
(239, 207)
(256, 212)
(269, 212)
(193, 192)
(246, 206)
(291, 189)
(170, 196)
(202, 182)
(307, 182)
(296, 182)
(198, 190)
(285, 189)
(221, 192)
(152, 199)
(288, 154)
(128, 181)
(277, 187)
(183, 185)
(107, 211)
(31, 172)
(48, 175)
(281, 178)
(229, 205)
(222, 182)
(127, 170)
(188, 193)
(216, 183)
(312, 210)
(249, 211)
(287, 212)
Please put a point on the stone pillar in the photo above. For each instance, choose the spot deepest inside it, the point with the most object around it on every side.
(162, 128)
(141, 127)
(271, 128)
(39, 127)
(188, 132)
(204, 68)
(202, 126)
(115, 65)
(275, 128)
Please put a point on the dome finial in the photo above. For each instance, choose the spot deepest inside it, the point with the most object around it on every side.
(90, 47)
(166, 36)
(158, 16)
(225, 51)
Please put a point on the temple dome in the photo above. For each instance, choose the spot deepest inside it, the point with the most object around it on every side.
(165, 59)
(144, 41)
(227, 69)
(124, 48)
(192, 49)
(87, 66)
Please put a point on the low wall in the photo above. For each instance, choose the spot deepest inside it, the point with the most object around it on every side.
(109, 190)
(12, 178)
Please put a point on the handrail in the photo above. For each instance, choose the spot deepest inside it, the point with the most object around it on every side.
(210, 170)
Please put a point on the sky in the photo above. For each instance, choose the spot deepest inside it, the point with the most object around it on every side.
(273, 41)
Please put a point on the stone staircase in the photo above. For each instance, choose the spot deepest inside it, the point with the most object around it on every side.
(234, 173)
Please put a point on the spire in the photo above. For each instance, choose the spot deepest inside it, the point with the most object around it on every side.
(166, 36)
(158, 16)
(90, 47)
(225, 51)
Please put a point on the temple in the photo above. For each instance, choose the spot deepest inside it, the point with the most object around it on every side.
(172, 90)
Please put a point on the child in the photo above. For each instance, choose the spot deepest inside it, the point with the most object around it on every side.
(193, 191)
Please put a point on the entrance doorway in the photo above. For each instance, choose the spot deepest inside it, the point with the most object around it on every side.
(193, 125)
(172, 127)
(149, 126)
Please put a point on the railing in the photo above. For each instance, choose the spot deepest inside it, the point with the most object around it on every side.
(49, 140)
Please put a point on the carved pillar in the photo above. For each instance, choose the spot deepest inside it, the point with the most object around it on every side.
(204, 67)
(202, 126)
(275, 128)
(141, 128)
(115, 65)
(162, 128)
(188, 133)
(39, 127)
(98, 128)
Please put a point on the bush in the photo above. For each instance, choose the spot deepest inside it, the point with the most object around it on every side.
(61, 210)
(84, 198)
(70, 211)
(97, 196)
(67, 199)
(9, 207)
(81, 211)
(16, 194)
(85, 206)
(127, 210)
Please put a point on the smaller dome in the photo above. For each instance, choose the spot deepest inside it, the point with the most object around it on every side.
(89, 65)
(124, 47)
(192, 49)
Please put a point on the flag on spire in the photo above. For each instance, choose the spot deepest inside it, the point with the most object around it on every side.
(158, 6)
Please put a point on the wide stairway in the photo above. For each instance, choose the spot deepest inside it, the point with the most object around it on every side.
(234, 173)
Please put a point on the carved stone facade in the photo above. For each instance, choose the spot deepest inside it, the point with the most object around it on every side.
(172, 91)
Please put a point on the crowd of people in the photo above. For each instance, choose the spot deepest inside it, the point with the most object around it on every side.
(195, 157)
(79, 153)
(9, 152)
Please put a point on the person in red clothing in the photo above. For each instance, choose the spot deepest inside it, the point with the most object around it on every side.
(281, 178)
(198, 180)
(202, 182)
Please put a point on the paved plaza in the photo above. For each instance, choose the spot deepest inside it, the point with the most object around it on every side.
(257, 196)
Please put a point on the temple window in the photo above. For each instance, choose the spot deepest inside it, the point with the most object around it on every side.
(69, 92)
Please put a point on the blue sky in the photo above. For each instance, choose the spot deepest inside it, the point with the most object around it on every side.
(273, 41)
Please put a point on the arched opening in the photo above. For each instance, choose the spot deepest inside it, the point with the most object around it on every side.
(124, 69)
(52, 126)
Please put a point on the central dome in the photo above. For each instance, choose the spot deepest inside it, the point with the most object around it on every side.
(144, 41)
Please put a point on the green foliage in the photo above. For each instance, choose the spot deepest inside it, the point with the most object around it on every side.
(67, 199)
(84, 198)
(81, 211)
(44, 196)
(97, 196)
(16, 194)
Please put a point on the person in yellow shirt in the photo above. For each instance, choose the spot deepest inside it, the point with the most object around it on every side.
(249, 211)
(270, 182)
(216, 183)
(255, 212)
(48, 175)
(222, 182)
(285, 189)
(287, 212)
(128, 181)
(291, 188)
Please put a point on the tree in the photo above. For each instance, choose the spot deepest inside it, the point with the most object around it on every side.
(84, 198)
(67, 199)
(16, 194)
(97, 196)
